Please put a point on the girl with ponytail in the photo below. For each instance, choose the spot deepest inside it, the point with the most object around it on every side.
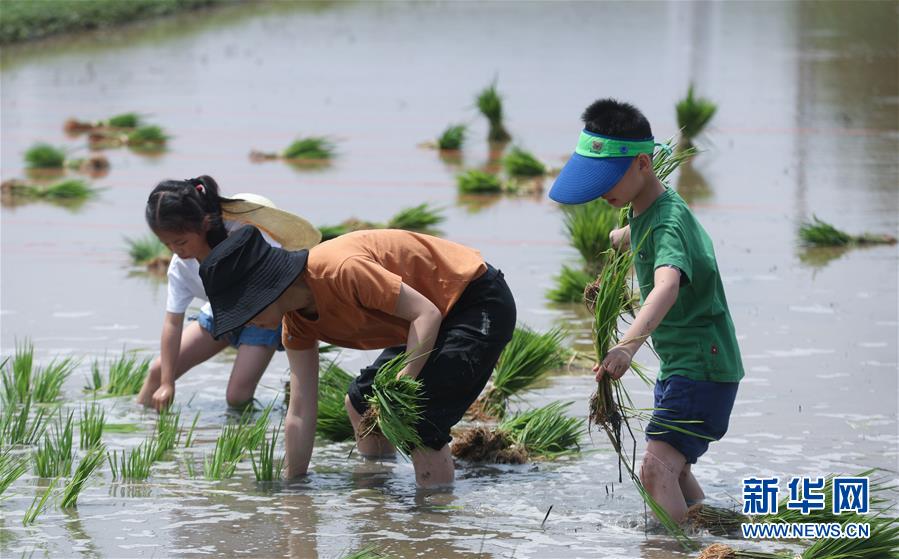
(191, 217)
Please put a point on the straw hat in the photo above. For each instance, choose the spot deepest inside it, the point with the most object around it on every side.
(290, 231)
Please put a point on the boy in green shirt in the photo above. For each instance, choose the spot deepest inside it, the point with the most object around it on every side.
(683, 308)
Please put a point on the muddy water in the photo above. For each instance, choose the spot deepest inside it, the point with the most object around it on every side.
(807, 125)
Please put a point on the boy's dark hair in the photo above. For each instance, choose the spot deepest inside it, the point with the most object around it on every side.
(618, 120)
(180, 206)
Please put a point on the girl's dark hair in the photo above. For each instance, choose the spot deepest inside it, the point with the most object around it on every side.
(616, 119)
(180, 206)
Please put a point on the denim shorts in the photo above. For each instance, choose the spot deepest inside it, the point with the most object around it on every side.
(679, 399)
(249, 334)
(469, 342)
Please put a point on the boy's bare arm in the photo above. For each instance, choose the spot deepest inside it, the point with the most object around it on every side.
(655, 307)
(302, 411)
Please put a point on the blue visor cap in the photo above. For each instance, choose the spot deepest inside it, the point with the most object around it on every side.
(596, 166)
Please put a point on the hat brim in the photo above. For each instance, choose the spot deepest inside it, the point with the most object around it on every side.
(236, 306)
(587, 178)
(290, 231)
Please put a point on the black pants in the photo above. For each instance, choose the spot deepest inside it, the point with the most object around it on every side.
(468, 345)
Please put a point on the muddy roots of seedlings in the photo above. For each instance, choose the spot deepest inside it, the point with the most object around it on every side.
(605, 411)
(718, 551)
(482, 444)
(369, 423)
(75, 126)
(715, 520)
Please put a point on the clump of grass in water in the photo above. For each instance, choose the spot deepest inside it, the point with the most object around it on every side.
(312, 148)
(126, 375)
(543, 433)
(528, 358)
(86, 467)
(54, 457)
(233, 443)
(63, 191)
(490, 104)
(452, 138)
(93, 421)
(134, 464)
(420, 218)
(15, 426)
(519, 163)
(44, 156)
(333, 420)
(394, 407)
(820, 233)
(268, 469)
(588, 227)
(475, 181)
(367, 553)
(149, 251)
(570, 284)
(693, 114)
(20, 379)
(168, 432)
(147, 137)
(124, 120)
(38, 505)
(11, 469)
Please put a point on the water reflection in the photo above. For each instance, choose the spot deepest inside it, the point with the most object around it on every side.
(691, 184)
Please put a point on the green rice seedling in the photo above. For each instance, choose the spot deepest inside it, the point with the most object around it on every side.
(49, 380)
(268, 469)
(475, 181)
(693, 114)
(11, 468)
(93, 421)
(190, 433)
(395, 406)
(54, 457)
(420, 218)
(315, 148)
(18, 427)
(333, 420)
(722, 551)
(146, 249)
(38, 505)
(124, 120)
(126, 375)
(367, 553)
(134, 464)
(528, 358)
(666, 160)
(44, 156)
(519, 163)
(490, 104)
(148, 137)
(570, 285)
(588, 227)
(882, 543)
(546, 432)
(16, 374)
(452, 138)
(225, 456)
(820, 233)
(86, 467)
(716, 520)
(168, 433)
(72, 189)
(332, 231)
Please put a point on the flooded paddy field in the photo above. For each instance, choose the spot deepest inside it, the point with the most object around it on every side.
(808, 124)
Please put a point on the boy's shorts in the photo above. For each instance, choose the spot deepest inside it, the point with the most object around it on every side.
(678, 398)
(469, 342)
(248, 334)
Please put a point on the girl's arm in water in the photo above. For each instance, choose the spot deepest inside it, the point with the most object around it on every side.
(302, 411)
(169, 348)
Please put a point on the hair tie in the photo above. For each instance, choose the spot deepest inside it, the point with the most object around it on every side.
(200, 189)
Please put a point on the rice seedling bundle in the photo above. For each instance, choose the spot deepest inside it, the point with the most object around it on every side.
(85, 469)
(93, 421)
(570, 285)
(819, 233)
(882, 543)
(693, 114)
(267, 468)
(54, 457)
(716, 520)
(333, 420)
(452, 138)
(528, 358)
(543, 433)
(520, 163)
(11, 468)
(168, 433)
(490, 104)
(38, 505)
(332, 231)
(21, 382)
(588, 227)
(126, 375)
(134, 464)
(225, 456)
(666, 160)
(395, 407)
(124, 120)
(147, 137)
(44, 156)
(721, 551)
(17, 428)
(475, 181)
(367, 553)
(310, 148)
(146, 249)
(418, 218)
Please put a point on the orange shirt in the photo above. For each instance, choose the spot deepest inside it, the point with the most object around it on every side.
(355, 280)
